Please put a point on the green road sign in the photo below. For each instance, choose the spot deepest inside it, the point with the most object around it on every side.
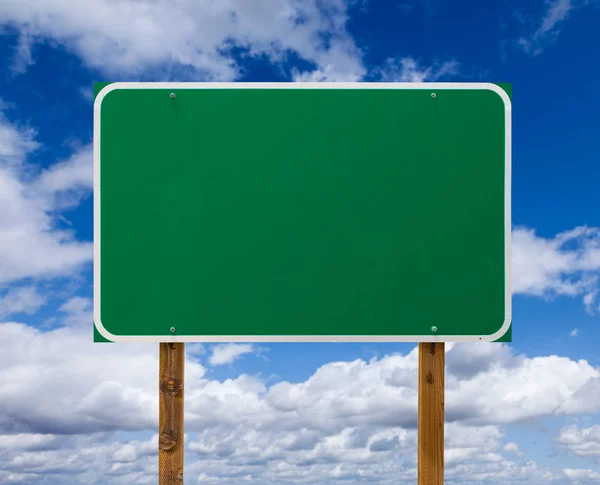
(302, 212)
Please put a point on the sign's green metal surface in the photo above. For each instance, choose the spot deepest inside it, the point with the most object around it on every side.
(329, 212)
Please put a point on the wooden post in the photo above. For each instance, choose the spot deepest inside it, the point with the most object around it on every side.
(170, 414)
(430, 455)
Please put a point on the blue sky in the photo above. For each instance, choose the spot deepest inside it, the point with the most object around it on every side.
(75, 411)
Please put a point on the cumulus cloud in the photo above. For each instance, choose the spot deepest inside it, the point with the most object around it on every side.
(84, 459)
(32, 243)
(195, 348)
(567, 264)
(581, 476)
(580, 442)
(244, 456)
(513, 448)
(60, 376)
(354, 420)
(66, 182)
(64, 399)
(77, 310)
(479, 358)
(130, 37)
(16, 142)
(24, 299)
(228, 353)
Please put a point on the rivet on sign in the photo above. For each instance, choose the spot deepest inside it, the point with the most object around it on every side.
(172, 95)
(434, 329)
(172, 329)
(433, 95)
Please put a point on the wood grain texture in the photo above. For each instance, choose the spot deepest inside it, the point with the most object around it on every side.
(170, 414)
(431, 414)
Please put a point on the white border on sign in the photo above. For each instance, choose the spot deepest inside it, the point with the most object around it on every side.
(305, 338)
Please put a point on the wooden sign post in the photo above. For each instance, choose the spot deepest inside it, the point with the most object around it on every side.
(170, 414)
(430, 456)
(430, 414)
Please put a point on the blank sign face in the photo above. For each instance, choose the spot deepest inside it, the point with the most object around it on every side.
(333, 212)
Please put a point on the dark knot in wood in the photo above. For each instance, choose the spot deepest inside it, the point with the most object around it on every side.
(167, 441)
(171, 386)
(429, 378)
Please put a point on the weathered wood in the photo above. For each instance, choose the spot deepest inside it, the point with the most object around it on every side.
(431, 414)
(170, 414)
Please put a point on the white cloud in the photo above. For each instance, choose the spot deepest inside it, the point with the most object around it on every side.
(582, 475)
(16, 142)
(581, 442)
(66, 182)
(590, 299)
(93, 459)
(567, 264)
(480, 358)
(25, 441)
(62, 397)
(513, 448)
(408, 69)
(131, 38)
(228, 353)
(355, 455)
(22, 58)
(195, 348)
(257, 458)
(63, 383)
(78, 311)
(32, 244)
(24, 299)
(381, 392)
(550, 26)
(574, 332)
(354, 420)
(128, 37)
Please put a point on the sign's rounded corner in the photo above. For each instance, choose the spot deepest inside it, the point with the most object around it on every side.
(503, 95)
(103, 332)
(502, 331)
(103, 93)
